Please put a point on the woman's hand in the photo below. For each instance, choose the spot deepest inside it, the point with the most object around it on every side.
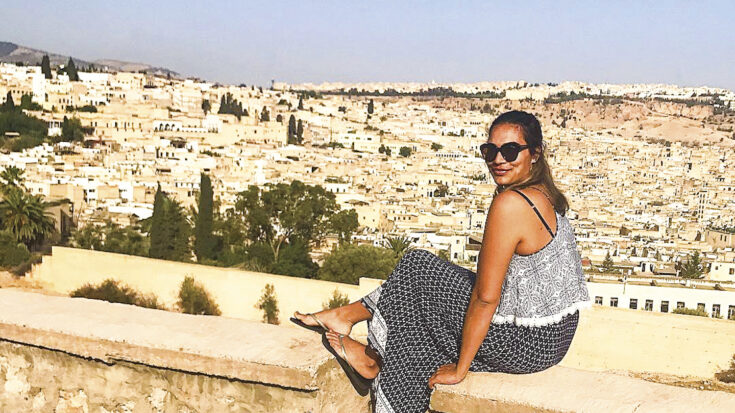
(446, 374)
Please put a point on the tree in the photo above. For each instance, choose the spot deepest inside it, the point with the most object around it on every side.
(268, 303)
(301, 103)
(170, 229)
(607, 263)
(344, 223)
(371, 107)
(294, 260)
(46, 67)
(291, 134)
(159, 233)
(281, 213)
(264, 115)
(71, 70)
(9, 105)
(399, 245)
(110, 237)
(300, 132)
(24, 215)
(11, 178)
(435, 146)
(71, 130)
(204, 240)
(405, 151)
(348, 263)
(624, 231)
(12, 252)
(206, 106)
(692, 268)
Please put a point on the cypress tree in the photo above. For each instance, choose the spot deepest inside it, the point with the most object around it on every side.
(46, 66)
(371, 107)
(9, 105)
(203, 237)
(160, 238)
(71, 70)
(301, 103)
(264, 115)
(222, 105)
(179, 230)
(291, 130)
(300, 132)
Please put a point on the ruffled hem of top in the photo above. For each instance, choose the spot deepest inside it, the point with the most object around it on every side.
(540, 321)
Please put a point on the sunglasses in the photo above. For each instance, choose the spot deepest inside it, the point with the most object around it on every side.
(509, 150)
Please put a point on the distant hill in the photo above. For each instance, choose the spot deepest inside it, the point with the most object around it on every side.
(13, 53)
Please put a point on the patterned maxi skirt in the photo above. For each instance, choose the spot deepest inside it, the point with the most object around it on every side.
(418, 315)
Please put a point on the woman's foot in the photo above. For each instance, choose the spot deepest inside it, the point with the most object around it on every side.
(358, 354)
(333, 319)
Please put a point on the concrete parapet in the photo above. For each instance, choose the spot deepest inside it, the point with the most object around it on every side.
(73, 354)
(564, 389)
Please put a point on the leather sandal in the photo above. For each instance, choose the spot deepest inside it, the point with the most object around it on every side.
(359, 383)
(320, 328)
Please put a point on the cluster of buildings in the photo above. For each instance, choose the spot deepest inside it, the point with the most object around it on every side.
(647, 205)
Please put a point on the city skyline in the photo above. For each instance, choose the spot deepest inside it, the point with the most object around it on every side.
(677, 43)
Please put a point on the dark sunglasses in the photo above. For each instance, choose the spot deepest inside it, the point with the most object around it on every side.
(509, 150)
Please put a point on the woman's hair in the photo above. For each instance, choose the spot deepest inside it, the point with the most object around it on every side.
(540, 171)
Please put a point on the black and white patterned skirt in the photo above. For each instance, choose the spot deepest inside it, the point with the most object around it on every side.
(418, 315)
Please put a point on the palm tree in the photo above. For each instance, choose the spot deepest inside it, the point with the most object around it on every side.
(11, 177)
(399, 245)
(24, 215)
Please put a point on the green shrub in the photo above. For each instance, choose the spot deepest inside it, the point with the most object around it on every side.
(338, 300)
(269, 305)
(110, 290)
(194, 299)
(114, 292)
(12, 252)
(728, 375)
(691, 311)
(25, 266)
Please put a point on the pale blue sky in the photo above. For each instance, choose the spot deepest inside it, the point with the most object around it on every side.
(683, 42)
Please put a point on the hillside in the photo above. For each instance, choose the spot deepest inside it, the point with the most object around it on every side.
(13, 53)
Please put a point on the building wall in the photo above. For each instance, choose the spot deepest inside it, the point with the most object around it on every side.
(691, 297)
(235, 291)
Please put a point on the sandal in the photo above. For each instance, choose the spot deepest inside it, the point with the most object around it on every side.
(320, 328)
(359, 383)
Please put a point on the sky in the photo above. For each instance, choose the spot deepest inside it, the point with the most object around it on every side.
(686, 43)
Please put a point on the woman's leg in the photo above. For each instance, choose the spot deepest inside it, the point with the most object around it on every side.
(340, 319)
(416, 327)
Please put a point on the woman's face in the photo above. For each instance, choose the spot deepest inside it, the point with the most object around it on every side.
(504, 172)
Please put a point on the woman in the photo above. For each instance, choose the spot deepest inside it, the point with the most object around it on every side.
(432, 321)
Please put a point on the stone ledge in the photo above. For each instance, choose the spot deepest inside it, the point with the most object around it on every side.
(216, 346)
(564, 389)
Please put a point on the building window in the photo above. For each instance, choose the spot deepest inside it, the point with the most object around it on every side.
(633, 303)
(715, 310)
(680, 304)
(700, 306)
(598, 300)
(664, 306)
(732, 271)
(649, 305)
(613, 301)
(731, 312)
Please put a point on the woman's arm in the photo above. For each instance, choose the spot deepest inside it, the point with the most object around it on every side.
(502, 235)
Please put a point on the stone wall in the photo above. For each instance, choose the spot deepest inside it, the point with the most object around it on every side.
(607, 338)
(64, 355)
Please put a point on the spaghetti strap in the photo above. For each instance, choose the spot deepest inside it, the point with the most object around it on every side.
(537, 213)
